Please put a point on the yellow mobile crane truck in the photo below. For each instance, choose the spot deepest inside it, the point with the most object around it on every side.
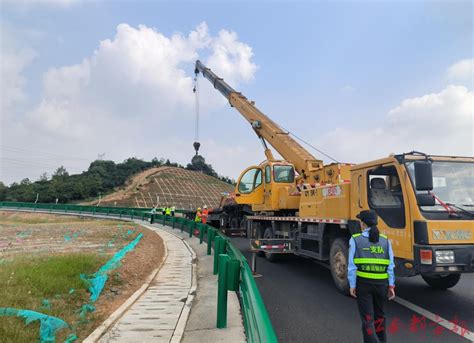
(301, 206)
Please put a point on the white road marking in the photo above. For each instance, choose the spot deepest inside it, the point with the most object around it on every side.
(461, 331)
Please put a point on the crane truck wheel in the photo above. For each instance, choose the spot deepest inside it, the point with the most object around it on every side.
(442, 281)
(268, 234)
(339, 261)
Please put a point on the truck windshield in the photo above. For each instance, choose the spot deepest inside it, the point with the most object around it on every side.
(453, 183)
(282, 173)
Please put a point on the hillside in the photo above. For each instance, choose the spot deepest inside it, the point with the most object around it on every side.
(171, 186)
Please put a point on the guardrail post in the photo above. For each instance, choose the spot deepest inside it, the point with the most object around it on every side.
(201, 232)
(211, 233)
(183, 222)
(191, 228)
(217, 242)
(173, 220)
(233, 275)
(152, 218)
(219, 248)
(222, 291)
(254, 263)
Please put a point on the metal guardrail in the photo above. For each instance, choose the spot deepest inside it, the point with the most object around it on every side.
(234, 273)
(83, 208)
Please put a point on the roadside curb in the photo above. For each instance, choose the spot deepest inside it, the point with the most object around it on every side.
(118, 313)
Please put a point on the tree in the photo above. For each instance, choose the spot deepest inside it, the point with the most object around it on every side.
(43, 177)
(61, 172)
(155, 162)
(101, 177)
(198, 163)
(25, 182)
(3, 191)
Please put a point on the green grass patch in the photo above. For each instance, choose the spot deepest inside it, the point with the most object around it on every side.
(44, 284)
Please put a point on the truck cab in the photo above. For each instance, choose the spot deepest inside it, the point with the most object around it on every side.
(425, 206)
(269, 187)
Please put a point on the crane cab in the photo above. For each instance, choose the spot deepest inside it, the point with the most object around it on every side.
(268, 187)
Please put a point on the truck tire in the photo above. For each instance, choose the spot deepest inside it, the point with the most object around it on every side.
(269, 256)
(339, 261)
(442, 281)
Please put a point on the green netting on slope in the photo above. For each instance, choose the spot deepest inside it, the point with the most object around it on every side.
(98, 279)
(48, 324)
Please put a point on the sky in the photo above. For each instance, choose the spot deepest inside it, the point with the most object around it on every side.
(356, 79)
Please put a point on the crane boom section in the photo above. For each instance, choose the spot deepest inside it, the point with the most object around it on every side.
(305, 163)
(279, 139)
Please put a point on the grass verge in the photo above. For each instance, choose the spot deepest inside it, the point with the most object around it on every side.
(46, 284)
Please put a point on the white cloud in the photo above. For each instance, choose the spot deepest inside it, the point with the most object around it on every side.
(232, 58)
(437, 123)
(16, 56)
(12, 81)
(461, 72)
(14, 59)
(140, 75)
(133, 95)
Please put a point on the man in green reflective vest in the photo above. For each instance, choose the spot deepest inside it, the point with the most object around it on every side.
(168, 211)
(371, 276)
(198, 217)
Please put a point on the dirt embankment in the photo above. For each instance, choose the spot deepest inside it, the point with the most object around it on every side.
(168, 186)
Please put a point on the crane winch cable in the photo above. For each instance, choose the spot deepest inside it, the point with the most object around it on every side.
(196, 143)
(310, 145)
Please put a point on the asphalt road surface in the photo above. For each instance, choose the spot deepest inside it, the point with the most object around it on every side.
(304, 305)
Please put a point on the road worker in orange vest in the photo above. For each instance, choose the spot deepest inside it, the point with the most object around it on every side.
(205, 213)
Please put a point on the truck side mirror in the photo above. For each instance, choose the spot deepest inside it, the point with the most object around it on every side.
(425, 200)
(423, 176)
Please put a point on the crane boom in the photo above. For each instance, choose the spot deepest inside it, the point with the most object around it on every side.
(266, 129)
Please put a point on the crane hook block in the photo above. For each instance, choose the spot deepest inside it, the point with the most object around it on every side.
(196, 146)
